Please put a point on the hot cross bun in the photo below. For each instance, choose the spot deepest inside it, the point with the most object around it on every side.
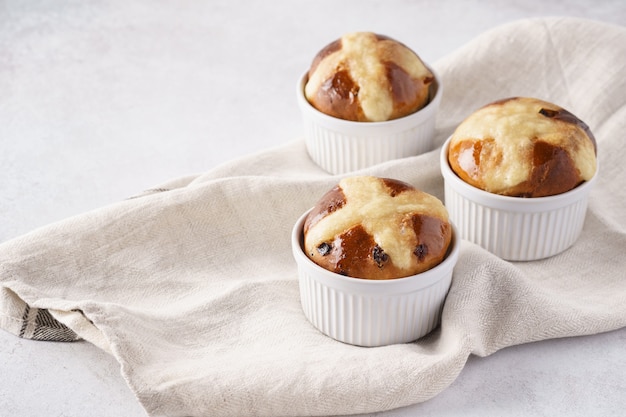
(377, 228)
(367, 77)
(523, 147)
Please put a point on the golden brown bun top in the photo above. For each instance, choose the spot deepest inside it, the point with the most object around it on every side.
(367, 77)
(523, 147)
(377, 228)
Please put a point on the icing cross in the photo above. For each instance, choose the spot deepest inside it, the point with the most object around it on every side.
(385, 218)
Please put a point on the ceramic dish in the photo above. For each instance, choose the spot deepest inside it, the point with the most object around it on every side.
(514, 228)
(372, 312)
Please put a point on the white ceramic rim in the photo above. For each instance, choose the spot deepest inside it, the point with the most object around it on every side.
(373, 129)
(394, 286)
(508, 203)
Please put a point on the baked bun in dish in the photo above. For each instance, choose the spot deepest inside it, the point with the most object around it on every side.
(377, 228)
(523, 147)
(367, 77)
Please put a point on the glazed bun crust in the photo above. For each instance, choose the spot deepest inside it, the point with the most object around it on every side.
(523, 147)
(367, 77)
(377, 228)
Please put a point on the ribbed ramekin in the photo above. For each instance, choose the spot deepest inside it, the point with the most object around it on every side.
(340, 146)
(514, 228)
(372, 312)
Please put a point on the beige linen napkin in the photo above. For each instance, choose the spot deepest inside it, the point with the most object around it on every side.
(193, 289)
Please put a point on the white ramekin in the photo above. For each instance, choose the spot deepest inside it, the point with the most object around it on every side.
(514, 228)
(372, 312)
(340, 146)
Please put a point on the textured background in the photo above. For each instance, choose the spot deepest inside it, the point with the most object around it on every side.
(100, 100)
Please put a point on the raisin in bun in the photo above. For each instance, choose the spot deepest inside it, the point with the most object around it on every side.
(523, 147)
(367, 77)
(377, 228)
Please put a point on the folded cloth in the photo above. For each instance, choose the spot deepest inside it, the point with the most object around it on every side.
(192, 287)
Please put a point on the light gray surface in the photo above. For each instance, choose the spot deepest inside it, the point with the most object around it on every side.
(100, 100)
